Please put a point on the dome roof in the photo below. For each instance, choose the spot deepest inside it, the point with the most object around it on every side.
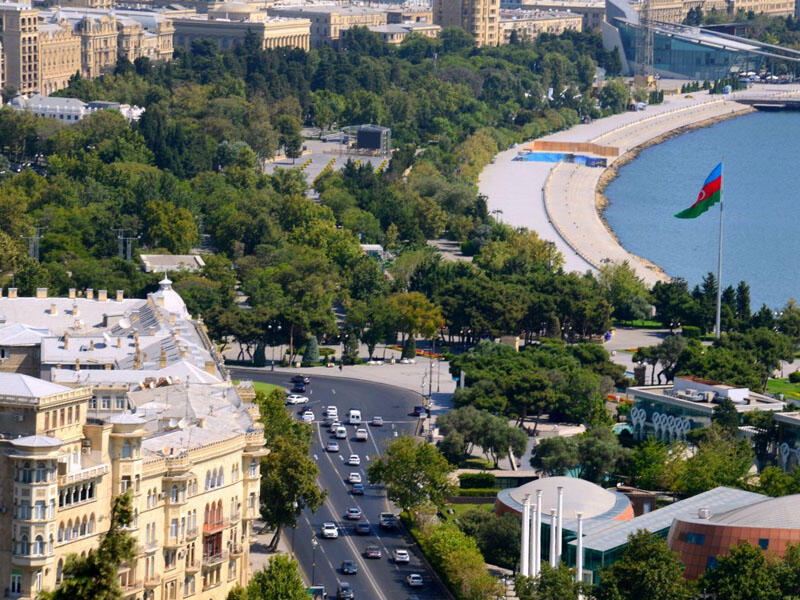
(778, 513)
(580, 496)
(172, 299)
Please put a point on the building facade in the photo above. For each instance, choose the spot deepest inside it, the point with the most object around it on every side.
(529, 24)
(394, 34)
(326, 23)
(60, 55)
(480, 18)
(19, 34)
(592, 11)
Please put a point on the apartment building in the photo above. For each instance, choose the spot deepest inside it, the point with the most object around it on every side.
(395, 33)
(592, 11)
(227, 25)
(327, 22)
(59, 55)
(477, 17)
(529, 24)
(19, 34)
(675, 11)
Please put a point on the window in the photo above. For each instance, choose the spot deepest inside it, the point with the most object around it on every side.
(60, 534)
(39, 510)
(253, 467)
(26, 473)
(59, 570)
(695, 538)
(38, 545)
(188, 585)
(173, 528)
(93, 402)
(106, 402)
(69, 414)
(711, 562)
(126, 449)
(174, 493)
(77, 414)
(47, 420)
(90, 527)
(16, 583)
(763, 543)
(120, 402)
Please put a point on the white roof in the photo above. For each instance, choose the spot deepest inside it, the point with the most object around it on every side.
(37, 441)
(25, 386)
(35, 312)
(180, 371)
(19, 334)
(171, 262)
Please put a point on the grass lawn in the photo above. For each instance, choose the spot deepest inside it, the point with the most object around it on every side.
(477, 463)
(783, 386)
(260, 386)
(640, 324)
(459, 509)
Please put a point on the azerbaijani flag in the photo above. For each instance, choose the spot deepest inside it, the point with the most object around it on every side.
(708, 196)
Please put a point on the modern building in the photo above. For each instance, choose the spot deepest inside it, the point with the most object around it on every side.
(395, 33)
(788, 440)
(328, 21)
(189, 454)
(228, 24)
(529, 24)
(480, 18)
(669, 412)
(770, 524)
(70, 109)
(155, 263)
(592, 11)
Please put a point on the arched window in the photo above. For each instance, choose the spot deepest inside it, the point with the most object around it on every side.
(50, 544)
(83, 526)
(75, 494)
(208, 480)
(41, 472)
(26, 473)
(207, 518)
(214, 478)
(75, 529)
(60, 533)
(60, 570)
(221, 477)
(68, 531)
(83, 492)
(126, 449)
(174, 494)
(90, 528)
(253, 467)
(23, 545)
(38, 545)
(219, 511)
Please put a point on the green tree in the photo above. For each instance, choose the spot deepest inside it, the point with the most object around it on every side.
(720, 459)
(648, 461)
(551, 584)
(498, 536)
(626, 291)
(743, 574)
(279, 580)
(311, 354)
(556, 455)
(415, 474)
(647, 569)
(726, 416)
(96, 575)
(614, 96)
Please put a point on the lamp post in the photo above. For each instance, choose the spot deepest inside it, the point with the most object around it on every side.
(314, 544)
(277, 331)
(294, 529)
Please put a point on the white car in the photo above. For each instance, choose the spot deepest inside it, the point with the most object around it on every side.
(296, 399)
(354, 478)
(361, 434)
(341, 433)
(334, 426)
(330, 531)
(332, 411)
(414, 580)
(353, 460)
(400, 555)
(308, 417)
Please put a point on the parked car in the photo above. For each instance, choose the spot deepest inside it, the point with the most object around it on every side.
(353, 514)
(353, 460)
(345, 591)
(361, 434)
(330, 531)
(354, 478)
(400, 555)
(332, 446)
(414, 580)
(331, 411)
(357, 489)
(296, 399)
(377, 421)
(363, 528)
(349, 567)
(373, 552)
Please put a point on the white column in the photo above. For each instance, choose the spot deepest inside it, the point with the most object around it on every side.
(537, 548)
(560, 529)
(526, 515)
(533, 543)
(553, 537)
(579, 550)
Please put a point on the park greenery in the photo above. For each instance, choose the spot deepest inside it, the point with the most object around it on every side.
(280, 579)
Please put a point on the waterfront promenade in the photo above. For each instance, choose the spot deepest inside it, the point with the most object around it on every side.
(558, 199)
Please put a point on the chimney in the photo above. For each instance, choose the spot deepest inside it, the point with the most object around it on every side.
(77, 364)
(72, 293)
(53, 309)
(209, 366)
(160, 301)
(91, 345)
(102, 295)
(89, 294)
(119, 342)
(12, 292)
(172, 318)
(152, 331)
(703, 513)
(66, 340)
(41, 292)
(75, 311)
(120, 295)
(107, 366)
(137, 360)
(162, 361)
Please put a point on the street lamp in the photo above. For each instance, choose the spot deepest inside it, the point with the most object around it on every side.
(277, 332)
(314, 544)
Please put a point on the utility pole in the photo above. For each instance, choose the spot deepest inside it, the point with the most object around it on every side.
(120, 232)
(33, 242)
(129, 246)
(644, 43)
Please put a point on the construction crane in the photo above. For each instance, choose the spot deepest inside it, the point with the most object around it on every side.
(644, 44)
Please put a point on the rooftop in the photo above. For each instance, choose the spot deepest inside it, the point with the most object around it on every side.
(520, 14)
(330, 9)
(778, 513)
(24, 386)
(704, 394)
(171, 262)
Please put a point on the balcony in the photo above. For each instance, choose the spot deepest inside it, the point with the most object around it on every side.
(236, 517)
(237, 549)
(148, 547)
(193, 566)
(191, 533)
(31, 560)
(178, 465)
(212, 528)
(131, 587)
(250, 513)
(153, 580)
(209, 560)
(173, 541)
(82, 475)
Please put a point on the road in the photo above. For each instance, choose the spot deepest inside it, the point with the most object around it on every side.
(376, 579)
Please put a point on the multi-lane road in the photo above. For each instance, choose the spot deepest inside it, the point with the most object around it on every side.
(377, 579)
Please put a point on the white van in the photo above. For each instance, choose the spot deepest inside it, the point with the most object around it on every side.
(355, 416)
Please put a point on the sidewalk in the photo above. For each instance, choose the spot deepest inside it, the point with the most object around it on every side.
(259, 555)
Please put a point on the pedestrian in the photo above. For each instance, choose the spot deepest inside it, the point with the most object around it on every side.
(340, 366)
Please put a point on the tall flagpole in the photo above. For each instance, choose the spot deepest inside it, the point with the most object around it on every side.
(718, 328)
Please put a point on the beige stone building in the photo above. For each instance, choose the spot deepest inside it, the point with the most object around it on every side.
(59, 55)
(675, 11)
(135, 41)
(395, 33)
(529, 24)
(19, 34)
(408, 14)
(592, 11)
(481, 18)
(227, 25)
(328, 22)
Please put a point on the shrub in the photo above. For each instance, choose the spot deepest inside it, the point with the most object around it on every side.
(477, 480)
(690, 331)
(311, 352)
(410, 348)
(794, 377)
(477, 492)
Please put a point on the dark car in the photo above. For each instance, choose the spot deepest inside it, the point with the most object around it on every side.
(299, 388)
(345, 591)
(363, 528)
(349, 567)
(418, 409)
(373, 552)
(357, 489)
(301, 379)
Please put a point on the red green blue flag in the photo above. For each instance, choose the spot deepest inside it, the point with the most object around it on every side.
(708, 196)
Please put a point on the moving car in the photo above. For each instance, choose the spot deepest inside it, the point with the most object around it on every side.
(345, 591)
(353, 460)
(299, 388)
(354, 478)
(353, 514)
(301, 379)
(354, 416)
(308, 417)
(400, 555)
(363, 528)
(358, 489)
(414, 580)
(418, 410)
(349, 567)
(296, 399)
(361, 434)
(388, 520)
(334, 426)
(330, 531)
(332, 446)
(341, 433)
(373, 552)
(377, 421)
(331, 411)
